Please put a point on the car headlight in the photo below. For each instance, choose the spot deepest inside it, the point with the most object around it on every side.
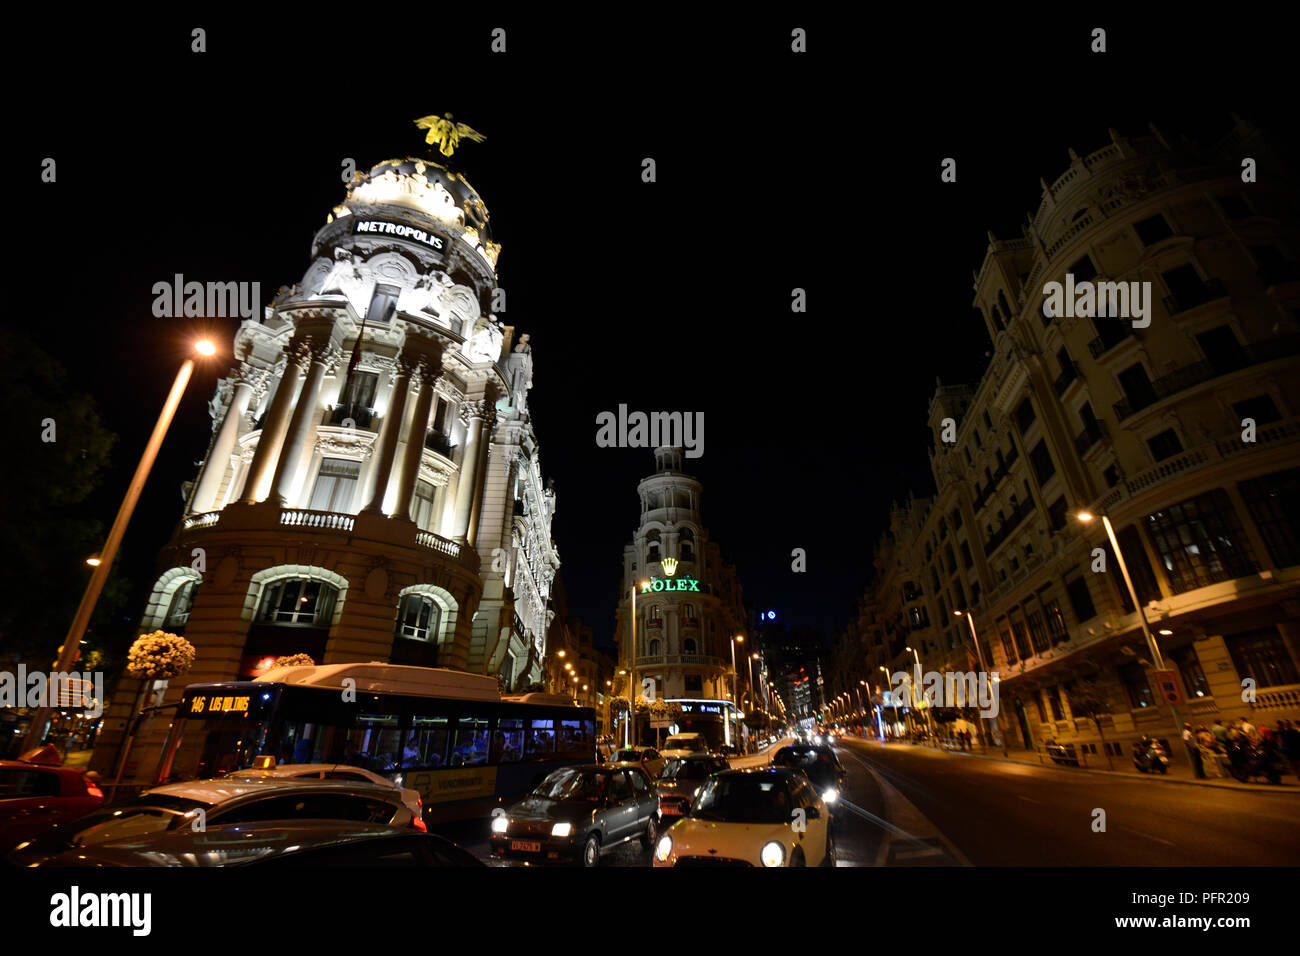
(696, 793)
(830, 794)
(664, 849)
(773, 854)
(561, 829)
(499, 824)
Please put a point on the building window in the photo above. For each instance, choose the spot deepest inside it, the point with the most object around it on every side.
(1165, 445)
(966, 558)
(686, 545)
(1056, 514)
(1042, 462)
(988, 422)
(1006, 309)
(1056, 629)
(688, 646)
(1139, 568)
(652, 546)
(1083, 270)
(383, 304)
(1008, 646)
(1054, 699)
(335, 483)
(1080, 600)
(178, 609)
(1274, 503)
(1186, 287)
(1037, 631)
(1025, 415)
(356, 400)
(298, 601)
(1134, 678)
(1262, 655)
(1189, 667)
(1042, 711)
(1273, 266)
(418, 617)
(1234, 207)
(1261, 409)
(1111, 476)
(1152, 230)
(1201, 542)
(654, 647)
(694, 684)
(422, 505)
(1019, 636)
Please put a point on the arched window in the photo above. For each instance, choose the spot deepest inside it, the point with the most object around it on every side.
(652, 546)
(178, 611)
(688, 646)
(687, 545)
(418, 617)
(654, 648)
(299, 601)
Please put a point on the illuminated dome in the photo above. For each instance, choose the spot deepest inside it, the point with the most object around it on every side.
(428, 189)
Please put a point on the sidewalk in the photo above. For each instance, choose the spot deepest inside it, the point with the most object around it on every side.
(1178, 773)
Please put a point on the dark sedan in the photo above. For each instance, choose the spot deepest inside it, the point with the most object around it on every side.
(681, 780)
(290, 843)
(576, 813)
(819, 764)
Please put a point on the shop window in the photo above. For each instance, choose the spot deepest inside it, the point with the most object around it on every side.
(1134, 678)
(1201, 542)
(1262, 655)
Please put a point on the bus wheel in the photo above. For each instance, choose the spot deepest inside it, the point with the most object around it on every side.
(591, 851)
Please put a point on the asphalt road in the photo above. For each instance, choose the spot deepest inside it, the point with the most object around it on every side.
(914, 806)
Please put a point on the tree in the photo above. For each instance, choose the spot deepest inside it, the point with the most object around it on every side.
(1088, 699)
(44, 534)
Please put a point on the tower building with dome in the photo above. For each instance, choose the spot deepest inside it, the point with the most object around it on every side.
(688, 608)
(372, 488)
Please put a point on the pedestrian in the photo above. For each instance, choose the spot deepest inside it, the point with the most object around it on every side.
(1290, 739)
(1220, 732)
(1249, 729)
(1211, 755)
(1193, 752)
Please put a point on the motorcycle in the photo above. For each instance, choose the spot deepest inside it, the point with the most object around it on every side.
(1148, 755)
(1246, 760)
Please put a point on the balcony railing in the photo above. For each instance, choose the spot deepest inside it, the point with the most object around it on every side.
(437, 441)
(655, 622)
(1197, 373)
(302, 518)
(201, 521)
(436, 542)
(1018, 514)
(1118, 332)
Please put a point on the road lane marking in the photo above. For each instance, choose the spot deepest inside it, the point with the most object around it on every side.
(913, 826)
(1147, 835)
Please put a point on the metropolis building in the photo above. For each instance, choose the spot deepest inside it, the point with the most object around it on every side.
(1186, 433)
(369, 493)
(688, 607)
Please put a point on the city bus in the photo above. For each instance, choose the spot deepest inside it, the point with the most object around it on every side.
(450, 736)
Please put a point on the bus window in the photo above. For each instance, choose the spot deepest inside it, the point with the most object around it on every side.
(426, 745)
(508, 744)
(471, 747)
(541, 738)
(373, 743)
(572, 739)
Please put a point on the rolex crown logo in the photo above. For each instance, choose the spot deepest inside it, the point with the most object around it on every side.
(670, 566)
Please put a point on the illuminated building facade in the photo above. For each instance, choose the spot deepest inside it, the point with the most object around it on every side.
(688, 605)
(372, 488)
(1184, 432)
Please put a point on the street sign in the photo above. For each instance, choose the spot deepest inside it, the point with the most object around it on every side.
(1167, 682)
(657, 723)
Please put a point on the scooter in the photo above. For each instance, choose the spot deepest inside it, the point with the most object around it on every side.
(1148, 755)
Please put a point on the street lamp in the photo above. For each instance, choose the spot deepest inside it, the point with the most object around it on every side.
(738, 639)
(36, 732)
(631, 683)
(1157, 661)
(994, 730)
(929, 721)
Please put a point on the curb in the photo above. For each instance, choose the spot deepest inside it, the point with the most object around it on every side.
(1250, 787)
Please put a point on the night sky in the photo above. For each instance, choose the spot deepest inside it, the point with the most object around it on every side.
(774, 171)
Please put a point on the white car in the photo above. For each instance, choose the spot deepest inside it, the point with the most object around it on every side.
(685, 745)
(331, 771)
(757, 817)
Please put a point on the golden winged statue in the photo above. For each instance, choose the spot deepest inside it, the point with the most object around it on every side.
(446, 132)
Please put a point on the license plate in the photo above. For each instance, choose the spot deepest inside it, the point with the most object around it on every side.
(526, 846)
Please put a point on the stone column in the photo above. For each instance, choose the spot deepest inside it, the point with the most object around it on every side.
(214, 469)
(415, 440)
(277, 421)
(473, 414)
(387, 442)
(480, 487)
(305, 411)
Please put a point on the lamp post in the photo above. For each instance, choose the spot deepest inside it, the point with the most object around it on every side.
(861, 713)
(1157, 661)
(979, 653)
(929, 721)
(888, 689)
(738, 639)
(71, 643)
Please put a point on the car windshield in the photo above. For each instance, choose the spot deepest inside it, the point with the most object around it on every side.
(690, 768)
(573, 785)
(144, 815)
(804, 757)
(633, 755)
(743, 799)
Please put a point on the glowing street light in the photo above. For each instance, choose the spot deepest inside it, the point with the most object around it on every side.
(36, 732)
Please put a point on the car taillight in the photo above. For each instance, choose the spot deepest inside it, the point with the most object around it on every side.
(418, 823)
(93, 790)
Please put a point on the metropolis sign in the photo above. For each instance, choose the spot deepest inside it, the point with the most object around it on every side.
(401, 231)
(676, 584)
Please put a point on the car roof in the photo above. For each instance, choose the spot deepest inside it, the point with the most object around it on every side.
(220, 790)
(242, 843)
(28, 765)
